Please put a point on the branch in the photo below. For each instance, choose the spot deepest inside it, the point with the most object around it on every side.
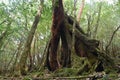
(112, 37)
(74, 24)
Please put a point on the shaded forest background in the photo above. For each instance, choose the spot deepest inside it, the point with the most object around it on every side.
(100, 20)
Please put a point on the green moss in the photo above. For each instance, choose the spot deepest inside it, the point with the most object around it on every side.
(65, 72)
(27, 78)
(110, 69)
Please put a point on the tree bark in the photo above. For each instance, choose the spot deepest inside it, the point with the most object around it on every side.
(29, 41)
(58, 31)
(58, 17)
(66, 47)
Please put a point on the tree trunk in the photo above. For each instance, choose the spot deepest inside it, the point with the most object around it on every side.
(66, 47)
(58, 17)
(58, 31)
(98, 20)
(15, 64)
(80, 11)
(27, 48)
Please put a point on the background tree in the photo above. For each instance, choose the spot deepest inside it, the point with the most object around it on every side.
(28, 43)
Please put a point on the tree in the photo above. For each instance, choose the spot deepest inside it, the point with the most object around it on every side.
(27, 48)
(58, 30)
(62, 25)
(80, 11)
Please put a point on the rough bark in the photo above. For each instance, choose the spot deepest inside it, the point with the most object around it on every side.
(58, 17)
(58, 31)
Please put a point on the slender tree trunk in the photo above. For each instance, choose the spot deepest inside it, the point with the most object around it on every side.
(80, 11)
(32, 55)
(90, 20)
(109, 43)
(89, 26)
(29, 41)
(15, 64)
(98, 20)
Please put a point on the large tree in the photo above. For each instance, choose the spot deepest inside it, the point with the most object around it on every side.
(58, 31)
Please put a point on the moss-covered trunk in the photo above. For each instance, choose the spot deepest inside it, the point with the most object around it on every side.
(27, 48)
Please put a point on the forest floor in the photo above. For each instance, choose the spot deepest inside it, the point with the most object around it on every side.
(46, 75)
(64, 74)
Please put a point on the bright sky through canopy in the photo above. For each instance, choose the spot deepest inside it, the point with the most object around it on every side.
(109, 1)
(88, 1)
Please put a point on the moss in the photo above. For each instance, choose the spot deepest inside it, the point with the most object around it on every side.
(110, 69)
(65, 72)
(27, 78)
(16, 74)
